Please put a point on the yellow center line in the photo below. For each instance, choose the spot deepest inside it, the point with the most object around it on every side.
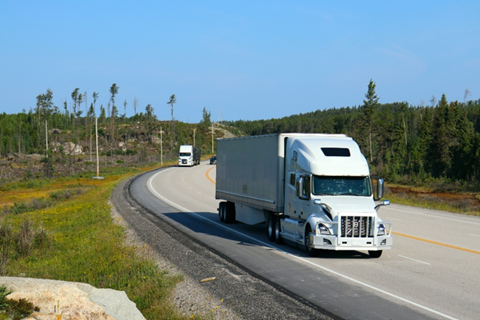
(437, 243)
(208, 177)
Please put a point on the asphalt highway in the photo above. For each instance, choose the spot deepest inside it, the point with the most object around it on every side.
(432, 271)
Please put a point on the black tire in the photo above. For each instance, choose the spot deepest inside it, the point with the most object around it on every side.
(278, 229)
(375, 254)
(221, 211)
(271, 227)
(229, 212)
(311, 251)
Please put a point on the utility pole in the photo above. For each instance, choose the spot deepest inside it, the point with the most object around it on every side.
(194, 130)
(96, 142)
(212, 139)
(172, 101)
(161, 146)
(46, 137)
(19, 137)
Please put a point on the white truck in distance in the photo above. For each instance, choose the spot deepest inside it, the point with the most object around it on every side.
(188, 156)
(311, 189)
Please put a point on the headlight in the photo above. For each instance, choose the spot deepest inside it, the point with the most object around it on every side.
(381, 230)
(322, 229)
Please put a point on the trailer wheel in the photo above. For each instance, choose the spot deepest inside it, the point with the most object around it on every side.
(221, 211)
(375, 254)
(229, 216)
(312, 252)
(278, 229)
(271, 226)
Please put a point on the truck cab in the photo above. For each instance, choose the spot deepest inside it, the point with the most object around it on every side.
(188, 156)
(330, 197)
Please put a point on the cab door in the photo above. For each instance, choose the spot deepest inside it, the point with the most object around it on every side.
(301, 208)
(305, 196)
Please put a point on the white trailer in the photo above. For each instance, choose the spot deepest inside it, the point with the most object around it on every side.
(188, 156)
(310, 189)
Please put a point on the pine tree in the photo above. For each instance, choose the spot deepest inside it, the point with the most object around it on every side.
(368, 115)
(113, 92)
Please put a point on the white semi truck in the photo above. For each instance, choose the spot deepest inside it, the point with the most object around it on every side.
(188, 156)
(310, 189)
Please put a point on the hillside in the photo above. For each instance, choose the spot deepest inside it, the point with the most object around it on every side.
(60, 148)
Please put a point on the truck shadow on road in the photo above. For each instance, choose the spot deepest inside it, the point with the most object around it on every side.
(207, 228)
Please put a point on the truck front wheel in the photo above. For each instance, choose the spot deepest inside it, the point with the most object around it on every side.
(375, 254)
(312, 252)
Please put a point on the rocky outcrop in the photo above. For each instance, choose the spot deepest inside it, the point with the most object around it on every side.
(69, 148)
(71, 300)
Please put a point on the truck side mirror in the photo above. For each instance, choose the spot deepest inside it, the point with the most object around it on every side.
(303, 187)
(299, 186)
(378, 190)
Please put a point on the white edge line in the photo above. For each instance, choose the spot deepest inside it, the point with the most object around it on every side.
(474, 235)
(420, 261)
(293, 256)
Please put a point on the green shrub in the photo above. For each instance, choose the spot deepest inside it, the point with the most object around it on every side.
(6, 245)
(20, 309)
(14, 309)
(3, 298)
(41, 238)
(20, 207)
(25, 238)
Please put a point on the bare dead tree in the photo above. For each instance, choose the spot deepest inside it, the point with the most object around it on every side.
(467, 94)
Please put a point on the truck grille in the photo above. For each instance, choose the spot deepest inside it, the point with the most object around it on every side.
(357, 227)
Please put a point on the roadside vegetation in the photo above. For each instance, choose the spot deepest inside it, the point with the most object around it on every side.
(55, 220)
(74, 238)
(430, 198)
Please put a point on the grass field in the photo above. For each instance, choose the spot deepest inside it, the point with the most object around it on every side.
(74, 238)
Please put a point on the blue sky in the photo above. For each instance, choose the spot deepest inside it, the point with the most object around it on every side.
(238, 59)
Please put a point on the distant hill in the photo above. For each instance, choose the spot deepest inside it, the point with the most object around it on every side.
(35, 145)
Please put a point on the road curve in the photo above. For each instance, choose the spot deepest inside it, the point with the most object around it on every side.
(239, 294)
(419, 279)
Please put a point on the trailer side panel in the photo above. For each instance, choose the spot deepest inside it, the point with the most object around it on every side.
(250, 171)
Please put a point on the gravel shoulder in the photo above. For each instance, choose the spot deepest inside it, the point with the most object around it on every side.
(234, 293)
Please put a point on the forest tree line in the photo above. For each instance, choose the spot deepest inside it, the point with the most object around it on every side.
(403, 143)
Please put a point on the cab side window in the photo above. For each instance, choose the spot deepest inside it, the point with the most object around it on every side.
(306, 188)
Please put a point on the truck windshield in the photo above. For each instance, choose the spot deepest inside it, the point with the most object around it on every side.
(185, 154)
(341, 186)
